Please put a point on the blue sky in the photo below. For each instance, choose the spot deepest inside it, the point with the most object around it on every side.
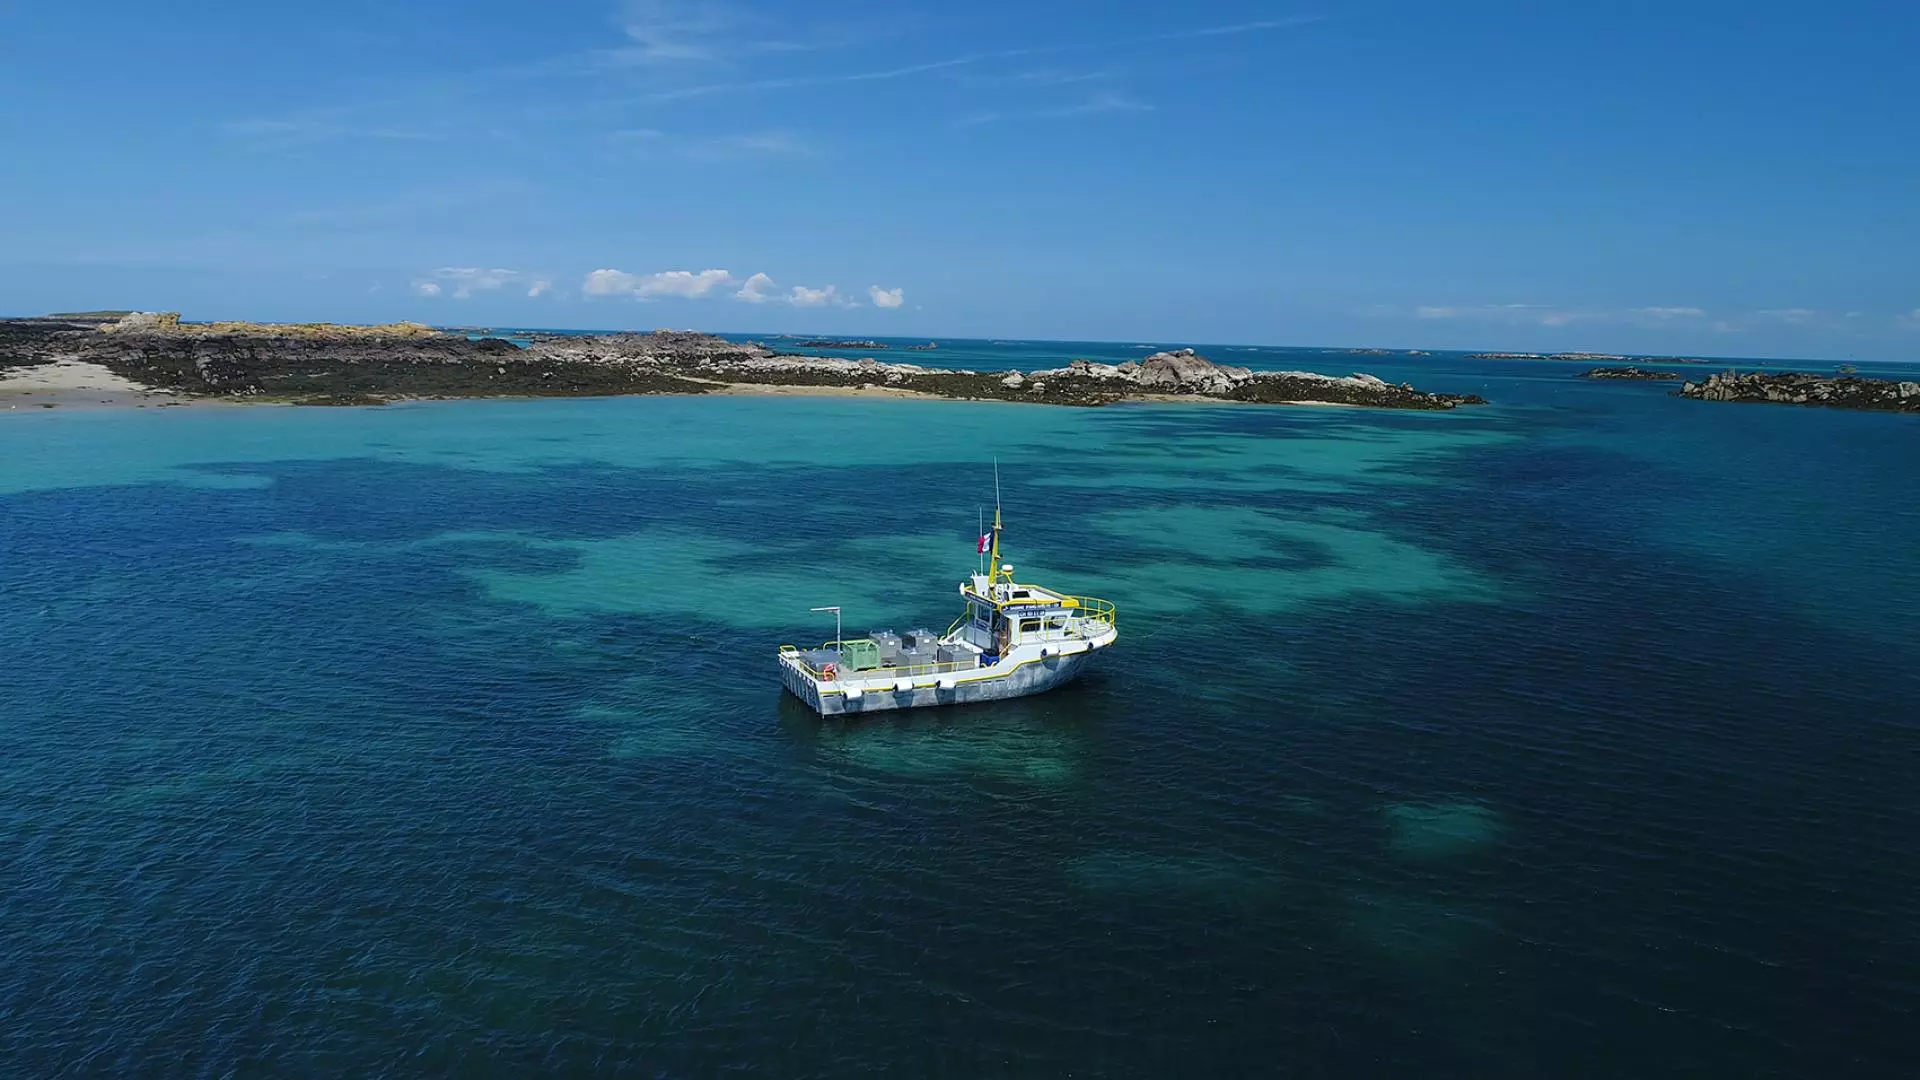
(1723, 178)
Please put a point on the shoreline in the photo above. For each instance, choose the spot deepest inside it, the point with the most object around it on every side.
(145, 359)
(79, 400)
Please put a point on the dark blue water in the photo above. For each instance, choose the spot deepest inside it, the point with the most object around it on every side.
(1573, 736)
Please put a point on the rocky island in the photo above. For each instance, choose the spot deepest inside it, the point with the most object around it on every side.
(1630, 373)
(319, 364)
(1800, 388)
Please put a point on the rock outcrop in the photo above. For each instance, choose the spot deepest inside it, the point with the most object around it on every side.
(144, 321)
(1186, 372)
(1799, 388)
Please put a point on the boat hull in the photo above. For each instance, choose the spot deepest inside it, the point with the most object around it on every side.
(1033, 677)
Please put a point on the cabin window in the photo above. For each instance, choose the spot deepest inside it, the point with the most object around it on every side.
(1057, 622)
(1029, 626)
(980, 614)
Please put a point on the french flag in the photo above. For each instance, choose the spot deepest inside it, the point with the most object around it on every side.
(986, 543)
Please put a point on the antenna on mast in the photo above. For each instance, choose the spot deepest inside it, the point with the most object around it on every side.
(837, 632)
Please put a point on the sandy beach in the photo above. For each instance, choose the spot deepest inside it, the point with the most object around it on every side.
(74, 384)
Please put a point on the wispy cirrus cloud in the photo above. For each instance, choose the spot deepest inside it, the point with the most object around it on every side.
(461, 282)
(1660, 317)
(974, 59)
(679, 50)
(1032, 79)
(762, 144)
(1236, 29)
(1479, 311)
(680, 32)
(1105, 103)
(652, 142)
(633, 137)
(1550, 315)
(322, 126)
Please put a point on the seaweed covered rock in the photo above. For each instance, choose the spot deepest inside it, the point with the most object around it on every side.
(1799, 388)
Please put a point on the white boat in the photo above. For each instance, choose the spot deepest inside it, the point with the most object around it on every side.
(1013, 640)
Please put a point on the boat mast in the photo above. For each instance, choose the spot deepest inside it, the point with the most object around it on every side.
(996, 573)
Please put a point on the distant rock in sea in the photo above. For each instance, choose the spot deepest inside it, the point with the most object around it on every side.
(1799, 388)
(1588, 357)
(1630, 373)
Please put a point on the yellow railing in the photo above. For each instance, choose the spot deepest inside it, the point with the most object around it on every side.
(1094, 608)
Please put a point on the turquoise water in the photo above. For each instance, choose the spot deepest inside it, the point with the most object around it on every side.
(1570, 736)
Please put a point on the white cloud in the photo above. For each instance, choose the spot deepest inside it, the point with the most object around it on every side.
(755, 291)
(1670, 312)
(886, 298)
(760, 289)
(1798, 316)
(540, 288)
(801, 296)
(682, 283)
(1436, 312)
(426, 288)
